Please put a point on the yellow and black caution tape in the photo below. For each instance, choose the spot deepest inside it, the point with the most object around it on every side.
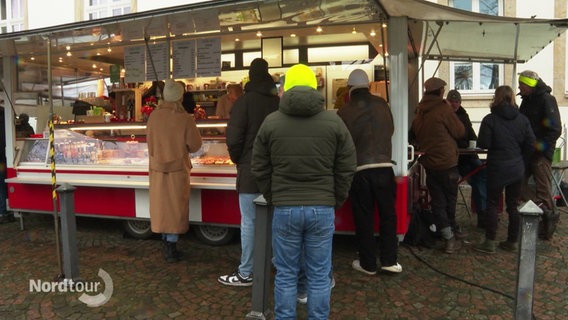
(52, 160)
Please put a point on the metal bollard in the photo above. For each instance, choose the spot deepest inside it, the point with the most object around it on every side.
(68, 232)
(530, 214)
(262, 261)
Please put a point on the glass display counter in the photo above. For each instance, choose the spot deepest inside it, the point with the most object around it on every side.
(121, 145)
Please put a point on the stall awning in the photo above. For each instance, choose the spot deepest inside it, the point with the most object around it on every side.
(435, 32)
(443, 33)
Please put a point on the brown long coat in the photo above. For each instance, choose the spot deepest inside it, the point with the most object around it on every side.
(171, 136)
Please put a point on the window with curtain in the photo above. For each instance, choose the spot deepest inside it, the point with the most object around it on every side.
(477, 77)
(96, 9)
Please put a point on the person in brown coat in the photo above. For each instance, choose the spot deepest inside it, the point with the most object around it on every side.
(171, 135)
(435, 129)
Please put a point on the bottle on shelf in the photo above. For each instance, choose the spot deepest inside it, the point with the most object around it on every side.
(130, 110)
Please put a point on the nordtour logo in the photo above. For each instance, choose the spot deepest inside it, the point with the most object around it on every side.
(86, 288)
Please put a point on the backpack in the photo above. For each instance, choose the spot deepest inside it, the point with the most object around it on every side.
(419, 233)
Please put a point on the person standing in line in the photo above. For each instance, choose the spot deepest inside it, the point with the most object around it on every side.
(469, 162)
(540, 107)
(436, 128)
(370, 122)
(226, 101)
(303, 160)
(508, 137)
(248, 112)
(171, 135)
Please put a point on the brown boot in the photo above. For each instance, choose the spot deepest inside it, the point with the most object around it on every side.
(452, 245)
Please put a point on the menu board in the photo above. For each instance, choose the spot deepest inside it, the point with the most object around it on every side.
(134, 57)
(157, 27)
(132, 30)
(183, 56)
(207, 20)
(181, 23)
(209, 57)
(158, 62)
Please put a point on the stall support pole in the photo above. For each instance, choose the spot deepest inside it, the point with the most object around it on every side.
(69, 232)
(530, 214)
(262, 261)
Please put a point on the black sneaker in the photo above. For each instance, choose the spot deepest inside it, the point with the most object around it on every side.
(235, 279)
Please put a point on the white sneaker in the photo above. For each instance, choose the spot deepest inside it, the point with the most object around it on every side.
(395, 268)
(236, 279)
(357, 266)
(302, 298)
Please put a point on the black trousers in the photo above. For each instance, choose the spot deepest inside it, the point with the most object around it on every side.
(512, 196)
(370, 187)
(443, 188)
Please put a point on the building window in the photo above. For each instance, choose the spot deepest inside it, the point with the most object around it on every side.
(96, 9)
(11, 15)
(473, 76)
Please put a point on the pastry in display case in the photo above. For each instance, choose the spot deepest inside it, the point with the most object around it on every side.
(80, 147)
(212, 152)
(73, 148)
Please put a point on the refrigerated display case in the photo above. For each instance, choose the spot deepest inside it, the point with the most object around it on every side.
(108, 166)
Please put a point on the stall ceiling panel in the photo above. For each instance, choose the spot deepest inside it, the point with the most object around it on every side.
(435, 31)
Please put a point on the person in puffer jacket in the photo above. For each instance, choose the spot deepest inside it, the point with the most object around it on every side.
(509, 140)
(303, 160)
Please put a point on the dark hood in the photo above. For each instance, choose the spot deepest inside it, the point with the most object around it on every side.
(301, 101)
(506, 111)
(264, 86)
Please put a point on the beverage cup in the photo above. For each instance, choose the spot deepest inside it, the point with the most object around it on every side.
(472, 144)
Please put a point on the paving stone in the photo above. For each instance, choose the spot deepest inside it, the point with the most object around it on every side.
(434, 285)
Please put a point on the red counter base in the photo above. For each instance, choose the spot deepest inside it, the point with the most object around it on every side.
(344, 216)
(111, 202)
(218, 207)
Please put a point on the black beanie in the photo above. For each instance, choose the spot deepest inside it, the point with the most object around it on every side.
(258, 69)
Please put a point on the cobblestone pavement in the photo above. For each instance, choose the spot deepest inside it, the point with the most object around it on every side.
(433, 285)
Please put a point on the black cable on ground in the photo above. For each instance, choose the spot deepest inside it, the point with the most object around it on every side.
(454, 277)
(457, 278)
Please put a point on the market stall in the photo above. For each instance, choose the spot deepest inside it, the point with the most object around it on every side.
(191, 43)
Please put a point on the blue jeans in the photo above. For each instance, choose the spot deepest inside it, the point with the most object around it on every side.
(248, 215)
(170, 237)
(306, 230)
(303, 281)
(478, 182)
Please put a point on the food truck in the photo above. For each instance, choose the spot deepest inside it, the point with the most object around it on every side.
(105, 156)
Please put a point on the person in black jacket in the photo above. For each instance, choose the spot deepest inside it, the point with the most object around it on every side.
(248, 113)
(540, 107)
(370, 122)
(469, 162)
(509, 140)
